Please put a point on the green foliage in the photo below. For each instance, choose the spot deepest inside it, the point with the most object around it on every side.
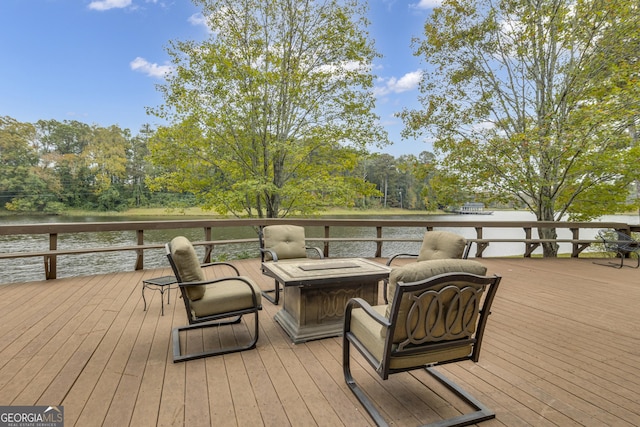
(534, 102)
(269, 114)
(19, 181)
(50, 166)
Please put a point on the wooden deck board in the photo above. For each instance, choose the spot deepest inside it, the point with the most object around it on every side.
(562, 347)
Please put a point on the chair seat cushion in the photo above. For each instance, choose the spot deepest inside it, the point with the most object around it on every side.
(225, 296)
(367, 331)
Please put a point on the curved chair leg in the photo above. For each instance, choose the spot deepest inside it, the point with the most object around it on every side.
(357, 391)
(179, 357)
(385, 285)
(628, 254)
(276, 291)
(481, 412)
(616, 264)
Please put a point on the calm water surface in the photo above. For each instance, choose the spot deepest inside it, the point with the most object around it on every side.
(29, 269)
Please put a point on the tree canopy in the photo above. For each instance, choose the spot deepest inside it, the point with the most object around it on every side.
(534, 101)
(270, 113)
(49, 166)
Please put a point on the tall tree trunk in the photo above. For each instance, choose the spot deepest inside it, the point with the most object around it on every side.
(546, 213)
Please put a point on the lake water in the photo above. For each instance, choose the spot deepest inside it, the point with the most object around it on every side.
(29, 269)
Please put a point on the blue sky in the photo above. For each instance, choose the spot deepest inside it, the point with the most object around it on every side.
(98, 61)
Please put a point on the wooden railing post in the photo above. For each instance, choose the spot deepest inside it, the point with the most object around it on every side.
(480, 246)
(140, 252)
(379, 242)
(50, 260)
(576, 248)
(207, 248)
(326, 243)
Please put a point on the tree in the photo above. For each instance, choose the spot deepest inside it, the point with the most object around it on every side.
(107, 159)
(269, 112)
(61, 148)
(18, 158)
(383, 173)
(532, 100)
(137, 167)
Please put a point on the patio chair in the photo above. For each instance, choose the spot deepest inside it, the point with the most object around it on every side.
(279, 242)
(436, 315)
(435, 245)
(621, 244)
(210, 302)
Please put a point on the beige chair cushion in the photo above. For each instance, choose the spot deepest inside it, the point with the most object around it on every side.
(441, 245)
(418, 271)
(368, 331)
(186, 260)
(287, 241)
(225, 296)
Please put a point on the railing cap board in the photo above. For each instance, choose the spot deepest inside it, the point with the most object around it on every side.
(78, 227)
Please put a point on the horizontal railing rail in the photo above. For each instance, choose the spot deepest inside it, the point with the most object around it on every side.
(53, 230)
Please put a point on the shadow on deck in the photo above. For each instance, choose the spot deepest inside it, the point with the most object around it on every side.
(562, 347)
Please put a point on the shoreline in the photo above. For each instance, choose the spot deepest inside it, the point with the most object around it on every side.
(197, 212)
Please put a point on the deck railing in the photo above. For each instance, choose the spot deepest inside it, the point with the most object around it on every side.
(327, 239)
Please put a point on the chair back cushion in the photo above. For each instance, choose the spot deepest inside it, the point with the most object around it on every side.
(441, 245)
(417, 271)
(438, 317)
(186, 261)
(287, 241)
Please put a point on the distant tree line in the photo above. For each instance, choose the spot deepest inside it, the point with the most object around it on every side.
(51, 166)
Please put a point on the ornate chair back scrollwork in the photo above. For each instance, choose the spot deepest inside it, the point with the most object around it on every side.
(436, 315)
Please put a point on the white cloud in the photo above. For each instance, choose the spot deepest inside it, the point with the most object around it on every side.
(197, 19)
(405, 83)
(426, 4)
(150, 69)
(109, 4)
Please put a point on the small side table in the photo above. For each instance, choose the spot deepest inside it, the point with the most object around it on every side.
(158, 284)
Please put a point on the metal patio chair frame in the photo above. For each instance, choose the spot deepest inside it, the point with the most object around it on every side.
(220, 317)
(621, 244)
(396, 347)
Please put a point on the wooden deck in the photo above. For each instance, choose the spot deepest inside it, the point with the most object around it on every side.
(562, 348)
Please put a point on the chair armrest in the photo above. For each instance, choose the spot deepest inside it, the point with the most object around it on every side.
(318, 251)
(467, 250)
(361, 303)
(274, 256)
(218, 263)
(390, 260)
